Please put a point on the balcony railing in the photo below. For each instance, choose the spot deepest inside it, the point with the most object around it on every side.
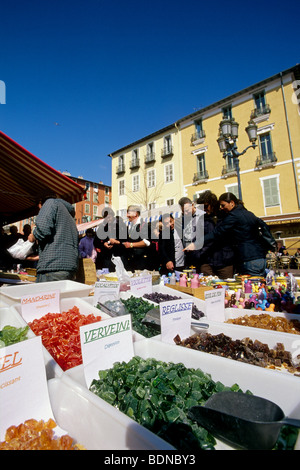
(263, 161)
(120, 169)
(135, 163)
(198, 136)
(200, 176)
(261, 111)
(228, 170)
(150, 157)
(167, 151)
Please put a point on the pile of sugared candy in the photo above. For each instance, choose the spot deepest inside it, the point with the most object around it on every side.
(36, 435)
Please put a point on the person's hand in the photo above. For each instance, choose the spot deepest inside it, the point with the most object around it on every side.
(31, 238)
(190, 247)
(108, 245)
(113, 241)
(127, 245)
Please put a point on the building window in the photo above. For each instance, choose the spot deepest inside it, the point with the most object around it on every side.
(170, 202)
(271, 191)
(261, 107)
(167, 145)
(233, 189)
(265, 145)
(87, 208)
(152, 205)
(136, 183)
(95, 197)
(95, 211)
(169, 173)
(121, 188)
(227, 112)
(151, 179)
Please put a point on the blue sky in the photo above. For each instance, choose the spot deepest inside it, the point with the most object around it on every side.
(85, 78)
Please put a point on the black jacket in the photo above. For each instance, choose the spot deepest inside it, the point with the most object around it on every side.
(220, 255)
(242, 229)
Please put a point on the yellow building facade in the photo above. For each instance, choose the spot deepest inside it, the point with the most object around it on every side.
(184, 159)
(148, 172)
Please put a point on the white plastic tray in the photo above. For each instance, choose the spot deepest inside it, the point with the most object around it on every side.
(271, 338)
(9, 316)
(94, 423)
(135, 336)
(52, 368)
(13, 294)
(282, 389)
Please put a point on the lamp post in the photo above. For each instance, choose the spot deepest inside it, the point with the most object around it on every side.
(228, 134)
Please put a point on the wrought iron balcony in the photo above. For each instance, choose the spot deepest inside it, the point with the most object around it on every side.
(228, 170)
(120, 169)
(198, 136)
(264, 161)
(150, 157)
(135, 163)
(200, 176)
(167, 151)
(261, 111)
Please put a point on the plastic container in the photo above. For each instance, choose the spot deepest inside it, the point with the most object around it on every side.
(290, 342)
(9, 316)
(200, 304)
(282, 389)
(135, 336)
(13, 294)
(52, 368)
(94, 423)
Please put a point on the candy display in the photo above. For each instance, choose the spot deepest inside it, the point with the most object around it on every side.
(245, 350)
(11, 335)
(158, 395)
(36, 435)
(138, 308)
(158, 297)
(268, 322)
(61, 335)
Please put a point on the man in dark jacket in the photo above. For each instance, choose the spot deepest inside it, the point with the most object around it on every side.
(137, 245)
(57, 237)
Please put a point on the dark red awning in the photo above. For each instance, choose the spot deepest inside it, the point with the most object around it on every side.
(24, 179)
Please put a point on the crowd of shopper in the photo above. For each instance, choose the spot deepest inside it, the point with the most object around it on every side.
(216, 235)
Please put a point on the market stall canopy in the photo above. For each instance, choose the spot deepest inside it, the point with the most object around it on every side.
(24, 179)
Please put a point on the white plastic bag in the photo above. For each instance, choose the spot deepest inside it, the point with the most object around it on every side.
(122, 274)
(21, 249)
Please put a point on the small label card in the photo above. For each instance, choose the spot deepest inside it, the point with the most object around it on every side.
(23, 384)
(37, 305)
(104, 343)
(215, 304)
(141, 285)
(106, 290)
(175, 319)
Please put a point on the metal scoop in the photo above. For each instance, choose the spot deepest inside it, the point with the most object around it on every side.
(243, 421)
(152, 318)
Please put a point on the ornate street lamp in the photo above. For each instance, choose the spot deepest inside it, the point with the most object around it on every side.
(228, 134)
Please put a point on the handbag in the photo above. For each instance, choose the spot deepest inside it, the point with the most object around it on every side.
(21, 249)
(265, 237)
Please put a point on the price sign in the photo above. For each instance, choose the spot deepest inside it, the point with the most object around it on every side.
(175, 319)
(141, 285)
(215, 304)
(23, 384)
(106, 290)
(105, 343)
(37, 305)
